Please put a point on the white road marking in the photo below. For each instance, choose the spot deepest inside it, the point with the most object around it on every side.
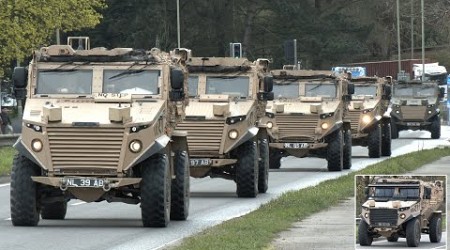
(8, 218)
(78, 203)
(5, 185)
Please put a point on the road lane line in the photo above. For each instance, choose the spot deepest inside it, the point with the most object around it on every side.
(78, 203)
(8, 218)
(5, 185)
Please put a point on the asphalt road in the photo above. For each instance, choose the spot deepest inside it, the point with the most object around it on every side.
(401, 244)
(118, 226)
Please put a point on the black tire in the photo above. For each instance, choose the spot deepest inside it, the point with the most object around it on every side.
(155, 191)
(274, 159)
(393, 238)
(394, 130)
(386, 140)
(180, 189)
(54, 211)
(335, 151)
(263, 174)
(347, 160)
(363, 234)
(247, 170)
(24, 192)
(413, 233)
(435, 229)
(374, 142)
(435, 128)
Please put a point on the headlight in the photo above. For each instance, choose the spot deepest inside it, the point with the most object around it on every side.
(397, 111)
(429, 111)
(326, 115)
(36, 128)
(36, 145)
(402, 216)
(269, 125)
(135, 146)
(366, 119)
(233, 134)
(324, 125)
(366, 215)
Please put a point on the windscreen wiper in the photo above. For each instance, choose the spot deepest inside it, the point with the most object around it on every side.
(60, 67)
(127, 72)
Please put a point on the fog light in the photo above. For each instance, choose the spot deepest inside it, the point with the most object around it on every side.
(324, 125)
(429, 111)
(366, 119)
(233, 134)
(36, 145)
(366, 215)
(135, 146)
(133, 129)
(397, 111)
(269, 125)
(402, 216)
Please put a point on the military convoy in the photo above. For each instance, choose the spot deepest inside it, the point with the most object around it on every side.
(370, 121)
(310, 110)
(99, 125)
(226, 121)
(415, 106)
(402, 208)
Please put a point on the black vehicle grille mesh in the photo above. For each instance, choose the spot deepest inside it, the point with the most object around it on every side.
(383, 217)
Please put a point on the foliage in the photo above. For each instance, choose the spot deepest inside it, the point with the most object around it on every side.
(28, 24)
(6, 159)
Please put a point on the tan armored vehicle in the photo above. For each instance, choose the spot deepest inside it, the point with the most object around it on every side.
(415, 106)
(310, 109)
(98, 125)
(402, 208)
(226, 121)
(370, 121)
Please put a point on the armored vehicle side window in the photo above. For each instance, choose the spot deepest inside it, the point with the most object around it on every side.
(64, 82)
(143, 82)
(369, 90)
(236, 86)
(320, 89)
(288, 90)
(193, 86)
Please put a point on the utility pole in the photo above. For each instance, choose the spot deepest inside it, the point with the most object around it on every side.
(178, 23)
(398, 38)
(423, 40)
(412, 29)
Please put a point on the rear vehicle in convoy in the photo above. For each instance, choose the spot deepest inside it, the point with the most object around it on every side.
(415, 106)
(310, 117)
(98, 125)
(226, 121)
(370, 121)
(403, 208)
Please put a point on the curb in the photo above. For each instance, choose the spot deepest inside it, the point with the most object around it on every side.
(5, 179)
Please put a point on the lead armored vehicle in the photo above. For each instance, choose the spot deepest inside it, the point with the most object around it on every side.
(98, 125)
(370, 121)
(403, 208)
(226, 121)
(415, 106)
(310, 117)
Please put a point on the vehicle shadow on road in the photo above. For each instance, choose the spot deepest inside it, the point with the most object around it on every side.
(92, 223)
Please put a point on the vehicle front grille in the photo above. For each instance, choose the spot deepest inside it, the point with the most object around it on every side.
(353, 116)
(91, 149)
(383, 217)
(297, 126)
(204, 137)
(413, 112)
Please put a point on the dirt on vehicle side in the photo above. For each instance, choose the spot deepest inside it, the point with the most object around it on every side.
(310, 110)
(402, 207)
(98, 125)
(226, 121)
(415, 106)
(370, 121)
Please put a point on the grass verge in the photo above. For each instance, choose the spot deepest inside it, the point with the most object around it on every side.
(6, 158)
(257, 229)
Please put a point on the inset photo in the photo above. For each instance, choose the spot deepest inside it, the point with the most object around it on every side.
(396, 212)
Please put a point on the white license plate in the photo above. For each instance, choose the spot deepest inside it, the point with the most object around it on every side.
(413, 123)
(84, 182)
(296, 145)
(200, 162)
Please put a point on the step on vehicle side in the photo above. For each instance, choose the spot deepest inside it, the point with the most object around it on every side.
(370, 121)
(98, 125)
(310, 109)
(415, 106)
(402, 208)
(226, 121)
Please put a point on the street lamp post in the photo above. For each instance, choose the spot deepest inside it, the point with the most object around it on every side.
(178, 23)
(398, 38)
(423, 41)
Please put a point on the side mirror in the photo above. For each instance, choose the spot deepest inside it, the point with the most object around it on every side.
(427, 193)
(176, 78)
(266, 96)
(351, 88)
(441, 92)
(268, 84)
(366, 192)
(20, 77)
(387, 92)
